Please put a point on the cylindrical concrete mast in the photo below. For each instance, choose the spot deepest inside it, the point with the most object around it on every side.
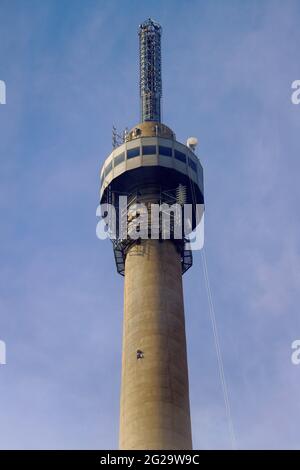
(151, 167)
(155, 411)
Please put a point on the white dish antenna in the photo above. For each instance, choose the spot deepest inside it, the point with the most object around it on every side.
(192, 143)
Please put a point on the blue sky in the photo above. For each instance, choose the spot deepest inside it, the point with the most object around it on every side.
(71, 70)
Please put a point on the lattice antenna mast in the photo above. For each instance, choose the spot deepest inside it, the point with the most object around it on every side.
(150, 70)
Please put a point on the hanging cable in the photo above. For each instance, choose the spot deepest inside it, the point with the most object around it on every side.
(218, 351)
(215, 331)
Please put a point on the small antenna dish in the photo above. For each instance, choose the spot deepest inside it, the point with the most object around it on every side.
(192, 143)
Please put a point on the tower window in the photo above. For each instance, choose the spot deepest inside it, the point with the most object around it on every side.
(131, 153)
(180, 156)
(119, 159)
(193, 165)
(149, 149)
(167, 151)
(108, 168)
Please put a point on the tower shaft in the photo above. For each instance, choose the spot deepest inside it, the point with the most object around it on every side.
(155, 410)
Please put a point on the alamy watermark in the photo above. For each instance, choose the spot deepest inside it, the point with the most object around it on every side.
(141, 221)
(2, 352)
(295, 356)
(295, 96)
(2, 92)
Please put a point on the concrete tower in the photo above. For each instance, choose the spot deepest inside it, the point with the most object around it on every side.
(149, 167)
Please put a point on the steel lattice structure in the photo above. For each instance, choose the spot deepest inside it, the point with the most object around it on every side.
(150, 70)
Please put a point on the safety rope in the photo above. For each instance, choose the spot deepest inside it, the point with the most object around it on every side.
(218, 352)
(215, 332)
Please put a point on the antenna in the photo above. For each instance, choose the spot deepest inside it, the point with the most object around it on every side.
(150, 70)
(192, 143)
(117, 138)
